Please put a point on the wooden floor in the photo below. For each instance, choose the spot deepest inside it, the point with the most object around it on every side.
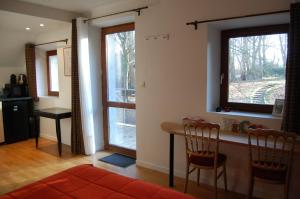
(21, 164)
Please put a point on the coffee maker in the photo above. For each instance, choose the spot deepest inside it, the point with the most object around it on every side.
(17, 87)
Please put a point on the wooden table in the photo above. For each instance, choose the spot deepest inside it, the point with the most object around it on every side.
(177, 129)
(57, 114)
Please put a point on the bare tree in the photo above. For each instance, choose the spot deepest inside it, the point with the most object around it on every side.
(127, 44)
(283, 47)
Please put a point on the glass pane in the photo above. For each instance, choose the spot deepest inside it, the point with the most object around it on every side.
(121, 66)
(54, 85)
(257, 68)
(122, 129)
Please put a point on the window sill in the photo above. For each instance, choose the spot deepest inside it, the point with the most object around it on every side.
(48, 97)
(247, 114)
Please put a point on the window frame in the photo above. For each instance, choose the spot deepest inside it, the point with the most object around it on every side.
(224, 88)
(50, 92)
(105, 92)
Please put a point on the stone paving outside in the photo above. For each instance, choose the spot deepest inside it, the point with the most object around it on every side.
(123, 135)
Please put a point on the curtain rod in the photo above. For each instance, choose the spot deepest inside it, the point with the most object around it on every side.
(195, 23)
(63, 40)
(138, 10)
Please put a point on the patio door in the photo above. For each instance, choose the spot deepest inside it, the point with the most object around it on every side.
(118, 88)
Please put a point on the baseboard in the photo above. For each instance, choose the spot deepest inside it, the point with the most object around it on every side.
(159, 168)
(52, 138)
(49, 137)
(152, 166)
(163, 169)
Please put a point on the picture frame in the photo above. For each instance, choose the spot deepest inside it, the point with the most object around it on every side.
(67, 61)
(278, 108)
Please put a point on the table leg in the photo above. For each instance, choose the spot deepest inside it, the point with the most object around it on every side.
(37, 131)
(58, 135)
(171, 161)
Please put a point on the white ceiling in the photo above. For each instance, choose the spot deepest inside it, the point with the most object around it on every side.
(13, 35)
(81, 6)
(11, 21)
(12, 25)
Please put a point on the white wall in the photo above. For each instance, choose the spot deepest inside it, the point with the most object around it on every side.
(13, 36)
(12, 58)
(41, 71)
(12, 51)
(6, 71)
(179, 77)
(47, 126)
(175, 73)
(213, 69)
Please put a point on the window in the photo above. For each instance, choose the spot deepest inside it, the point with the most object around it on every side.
(253, 62)
(119, 87)
(52, 73)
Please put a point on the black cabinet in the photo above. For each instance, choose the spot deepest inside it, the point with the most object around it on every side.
(16, 119)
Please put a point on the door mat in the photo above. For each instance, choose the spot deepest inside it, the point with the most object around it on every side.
(118, 160)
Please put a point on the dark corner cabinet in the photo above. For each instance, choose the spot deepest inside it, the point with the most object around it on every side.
(17, 114)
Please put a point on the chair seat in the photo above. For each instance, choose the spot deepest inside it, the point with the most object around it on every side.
(207, 161)
(264, 171)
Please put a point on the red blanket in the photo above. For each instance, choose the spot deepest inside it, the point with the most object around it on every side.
(89, 182)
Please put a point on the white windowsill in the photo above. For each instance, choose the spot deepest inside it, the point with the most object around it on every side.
(247, 114)
(48, 97)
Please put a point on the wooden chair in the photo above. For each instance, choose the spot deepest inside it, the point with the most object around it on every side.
(271, 156)
(202, 151)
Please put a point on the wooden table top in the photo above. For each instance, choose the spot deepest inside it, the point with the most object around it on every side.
(224, 136)
(229, 137)
(54, 112)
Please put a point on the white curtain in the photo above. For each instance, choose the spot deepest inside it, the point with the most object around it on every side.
(85, 87)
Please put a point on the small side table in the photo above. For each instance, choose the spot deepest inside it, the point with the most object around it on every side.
(57, 114)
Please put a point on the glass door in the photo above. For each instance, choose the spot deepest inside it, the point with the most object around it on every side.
(118, 79)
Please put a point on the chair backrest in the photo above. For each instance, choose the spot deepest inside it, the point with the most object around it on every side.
(202, 137)
(270, 148)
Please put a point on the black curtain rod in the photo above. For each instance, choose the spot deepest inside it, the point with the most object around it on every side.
(195, 23)
(63, 40)
(138, 10)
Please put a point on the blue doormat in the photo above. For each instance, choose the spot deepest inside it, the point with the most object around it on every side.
(118, 160)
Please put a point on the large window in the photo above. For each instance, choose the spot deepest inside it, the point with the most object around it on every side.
(253, 64)
(52, 73)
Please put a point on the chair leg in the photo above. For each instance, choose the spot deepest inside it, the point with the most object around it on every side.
(225, 176)
(198, 177)
(186, 177)
(250, 187)
(216, 182)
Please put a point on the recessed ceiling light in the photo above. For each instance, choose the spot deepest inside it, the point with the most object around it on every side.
(27, 28)
(42, 25)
